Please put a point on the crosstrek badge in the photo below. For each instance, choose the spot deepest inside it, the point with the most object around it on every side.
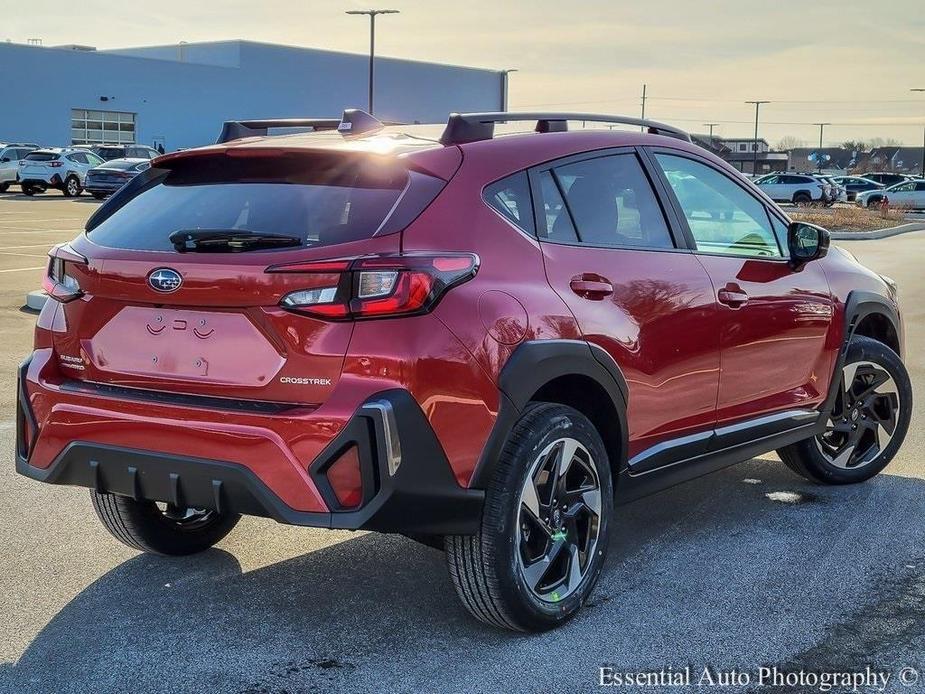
(300, 381)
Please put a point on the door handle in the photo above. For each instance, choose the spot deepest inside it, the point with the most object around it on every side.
(592, 287)
(732, 295)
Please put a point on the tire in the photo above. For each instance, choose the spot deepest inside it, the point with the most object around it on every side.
(868, 423)
(489, 569)
(4, 187)
(143, 525)
(71, 187)
(28, 190)
(802, 199)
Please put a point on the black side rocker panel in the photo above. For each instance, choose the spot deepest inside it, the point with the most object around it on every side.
(422, 496)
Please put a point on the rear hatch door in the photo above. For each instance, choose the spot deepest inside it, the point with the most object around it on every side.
(159, 312)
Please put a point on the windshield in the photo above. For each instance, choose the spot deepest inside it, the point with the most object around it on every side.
(42, 156)
(348, 207)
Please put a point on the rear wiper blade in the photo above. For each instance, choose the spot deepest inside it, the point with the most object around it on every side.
(228, 240)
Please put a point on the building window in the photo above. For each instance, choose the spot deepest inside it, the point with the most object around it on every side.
(102, 127)
(742, 146)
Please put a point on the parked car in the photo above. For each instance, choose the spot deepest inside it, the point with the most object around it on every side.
(908, 194)
(800, 189)
(857, 184)
(10, 156)
(482, 343)
(110, 152)
(887, 179)
(108, 177)
(836, 192)
(63, 169)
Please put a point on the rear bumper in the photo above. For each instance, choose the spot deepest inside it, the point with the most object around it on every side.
(408, 485)
(102, 186)
(52, 181)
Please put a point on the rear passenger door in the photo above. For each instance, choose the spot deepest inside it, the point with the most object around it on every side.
(611, 254)
(775, 318)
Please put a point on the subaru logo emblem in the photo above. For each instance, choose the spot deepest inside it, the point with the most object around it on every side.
(165, 280)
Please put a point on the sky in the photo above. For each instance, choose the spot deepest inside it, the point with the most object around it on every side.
(846, 62)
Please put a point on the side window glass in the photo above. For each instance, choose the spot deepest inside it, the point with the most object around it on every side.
(722, 216)
(558, 223)
(612, 203)
(511, 197)
(780, 231)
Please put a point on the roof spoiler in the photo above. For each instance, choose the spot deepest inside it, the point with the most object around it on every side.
(353, 122)
(473, 127)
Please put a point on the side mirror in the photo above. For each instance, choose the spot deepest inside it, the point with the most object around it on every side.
(4, 160)
(806, 242)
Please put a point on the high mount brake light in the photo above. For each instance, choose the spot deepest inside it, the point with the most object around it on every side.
(58, 283)
(378, 286)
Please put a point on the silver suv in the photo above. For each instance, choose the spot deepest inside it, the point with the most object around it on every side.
(10, 156)
(64, 169)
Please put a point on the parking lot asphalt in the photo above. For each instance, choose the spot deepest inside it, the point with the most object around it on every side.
(719, 572)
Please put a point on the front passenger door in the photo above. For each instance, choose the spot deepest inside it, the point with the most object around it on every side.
(773, 350)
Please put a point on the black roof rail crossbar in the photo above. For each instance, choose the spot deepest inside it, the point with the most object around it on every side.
(473, 127)
(236, 129)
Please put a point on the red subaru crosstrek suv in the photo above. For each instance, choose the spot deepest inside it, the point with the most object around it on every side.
(482, 341)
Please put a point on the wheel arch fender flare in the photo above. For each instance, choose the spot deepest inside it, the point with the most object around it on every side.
(858, 305)
(536, 364)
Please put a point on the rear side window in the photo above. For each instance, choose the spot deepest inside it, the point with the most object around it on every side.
(556, 219)
(612, 203)
(42, 156)
(322, 204)
(511, 198)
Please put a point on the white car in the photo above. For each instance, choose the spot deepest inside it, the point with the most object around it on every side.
(799, 189)
(64, 169)
(908, 194)
(10, 156)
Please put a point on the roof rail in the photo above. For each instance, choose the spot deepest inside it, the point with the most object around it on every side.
(353, 122)
(473, 127)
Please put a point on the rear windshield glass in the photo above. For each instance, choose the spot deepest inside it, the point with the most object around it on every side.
(122, 164)
(41, 156)
(321, 207)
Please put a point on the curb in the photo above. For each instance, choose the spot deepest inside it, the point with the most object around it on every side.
(878, 234)
(35, 300)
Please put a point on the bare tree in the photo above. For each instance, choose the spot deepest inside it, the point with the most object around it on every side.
(790, 142)
(855, 145)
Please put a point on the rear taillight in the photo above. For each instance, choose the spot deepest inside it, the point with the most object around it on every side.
(59, 283)
(378, 286)
(55, 164)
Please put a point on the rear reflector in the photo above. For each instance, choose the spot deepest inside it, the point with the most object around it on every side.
(379, 286)
(346, 480)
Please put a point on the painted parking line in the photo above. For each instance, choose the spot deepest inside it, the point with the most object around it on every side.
(23, 269)
(28, 245)
(24, 255)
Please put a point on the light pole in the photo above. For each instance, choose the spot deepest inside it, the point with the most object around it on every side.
(919, 89)
(372, 46)
(505, 84)
(755, 145)
(711, 126)
(819, 156)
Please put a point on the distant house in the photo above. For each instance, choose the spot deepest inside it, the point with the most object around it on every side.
(741, 153)
(907, 160)
(881, 158)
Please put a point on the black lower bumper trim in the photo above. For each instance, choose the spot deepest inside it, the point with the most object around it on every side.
(422, 496)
